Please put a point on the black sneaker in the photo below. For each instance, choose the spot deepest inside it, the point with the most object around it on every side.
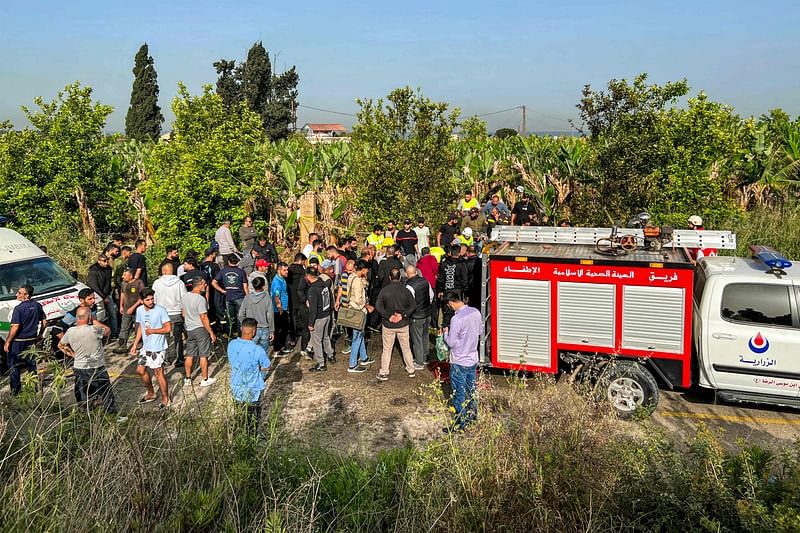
(367, 361)
(412, 375)
(356, 369)
(383, 377)
(332, 359)
(318, 368)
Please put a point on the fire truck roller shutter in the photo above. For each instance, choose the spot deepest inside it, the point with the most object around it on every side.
(523, 322)
(652, 318)
(586, 313)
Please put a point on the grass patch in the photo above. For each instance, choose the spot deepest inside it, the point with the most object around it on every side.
(541, 458)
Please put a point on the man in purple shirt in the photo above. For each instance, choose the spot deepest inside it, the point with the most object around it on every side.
(462, 337)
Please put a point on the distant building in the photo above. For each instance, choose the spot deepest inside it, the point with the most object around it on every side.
(325, 133)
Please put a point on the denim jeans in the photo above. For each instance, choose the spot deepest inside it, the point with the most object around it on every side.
(465, 399)
(262, 338)
(358, 348)
(112, 312)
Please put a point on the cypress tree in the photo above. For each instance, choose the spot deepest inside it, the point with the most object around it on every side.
(272, 96)
(144, 117)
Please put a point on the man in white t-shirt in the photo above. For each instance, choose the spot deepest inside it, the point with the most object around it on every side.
(200, 336)
(423, 234)
(153, 328)
(84, 343)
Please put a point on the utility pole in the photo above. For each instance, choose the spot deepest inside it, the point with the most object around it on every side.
(524, 129)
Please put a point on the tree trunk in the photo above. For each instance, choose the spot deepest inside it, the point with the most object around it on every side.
(87, 220)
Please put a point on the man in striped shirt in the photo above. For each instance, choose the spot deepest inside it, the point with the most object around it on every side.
(342, 299)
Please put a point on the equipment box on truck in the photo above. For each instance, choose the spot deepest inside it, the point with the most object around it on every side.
(644, 317)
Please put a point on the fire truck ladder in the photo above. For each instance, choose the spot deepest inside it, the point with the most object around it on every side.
(486, 312)
(684, 238)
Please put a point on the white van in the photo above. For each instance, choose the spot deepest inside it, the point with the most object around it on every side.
(24, 263)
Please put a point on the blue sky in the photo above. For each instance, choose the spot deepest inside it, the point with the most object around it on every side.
(479, 56)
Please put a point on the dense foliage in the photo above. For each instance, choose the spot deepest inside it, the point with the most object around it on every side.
(539, 459)
(144, 118)
(641, 151)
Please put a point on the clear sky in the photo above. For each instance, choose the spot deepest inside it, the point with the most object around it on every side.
(480, 56)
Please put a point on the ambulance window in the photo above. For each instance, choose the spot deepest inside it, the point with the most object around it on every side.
(757, 303)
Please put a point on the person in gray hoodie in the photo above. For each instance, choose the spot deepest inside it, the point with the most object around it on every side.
(258, 306)
(170, 290)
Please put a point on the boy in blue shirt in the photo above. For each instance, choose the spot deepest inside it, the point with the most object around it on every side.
(249, 364)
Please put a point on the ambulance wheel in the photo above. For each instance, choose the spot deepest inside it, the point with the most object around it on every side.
(628, 387)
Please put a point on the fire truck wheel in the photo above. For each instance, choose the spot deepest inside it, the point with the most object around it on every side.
(628, 387)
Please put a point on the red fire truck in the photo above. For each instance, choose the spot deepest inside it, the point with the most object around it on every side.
(636, 313)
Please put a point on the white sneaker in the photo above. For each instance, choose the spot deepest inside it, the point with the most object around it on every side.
(207, 382)
(187, 382)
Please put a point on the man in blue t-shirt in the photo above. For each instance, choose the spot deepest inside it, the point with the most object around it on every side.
(249, 363)
(27, 326)
(232, 282)
(279, 290)
(153, 328)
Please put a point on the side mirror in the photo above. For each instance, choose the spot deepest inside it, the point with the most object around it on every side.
(74, 274)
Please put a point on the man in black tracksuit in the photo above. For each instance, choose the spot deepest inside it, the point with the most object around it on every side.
(452, 276)
(420, 319)
(320, 305)
(297, 306)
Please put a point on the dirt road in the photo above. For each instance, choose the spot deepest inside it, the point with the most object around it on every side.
(355, 412)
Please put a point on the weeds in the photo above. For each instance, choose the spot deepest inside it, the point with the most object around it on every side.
(540, 458)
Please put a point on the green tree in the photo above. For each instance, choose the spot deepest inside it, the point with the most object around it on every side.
(504, 133)
(59, 172)
(227, 84)
(144, 118)
(403, 156)
(272, 96)
(205, 172)
(474, 129)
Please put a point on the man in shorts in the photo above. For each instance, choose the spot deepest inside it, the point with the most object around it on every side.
(153, 328)
(200, 336)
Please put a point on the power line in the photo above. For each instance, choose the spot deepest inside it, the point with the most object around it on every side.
(498, 112)
(327, 110)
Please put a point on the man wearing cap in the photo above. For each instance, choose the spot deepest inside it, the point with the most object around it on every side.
(262, 266)
(522, 210)
(695, 254)
(476, 221)
(407, 240)
(447, 231)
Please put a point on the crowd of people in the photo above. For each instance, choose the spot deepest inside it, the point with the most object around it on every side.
(400, 284)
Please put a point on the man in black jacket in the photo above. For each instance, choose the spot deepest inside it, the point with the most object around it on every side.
(452, 276)
(266, 250)
(420, 320)
(395, 306)
(391, 262)
(99, 280)
(297, 307)
(320, 303)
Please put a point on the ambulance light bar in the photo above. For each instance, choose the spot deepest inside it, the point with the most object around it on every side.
(770, 257)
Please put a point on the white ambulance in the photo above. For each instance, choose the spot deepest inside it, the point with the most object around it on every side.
(24, 263)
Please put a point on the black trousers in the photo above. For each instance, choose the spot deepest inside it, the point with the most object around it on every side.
(281, 330)
(300, 319)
